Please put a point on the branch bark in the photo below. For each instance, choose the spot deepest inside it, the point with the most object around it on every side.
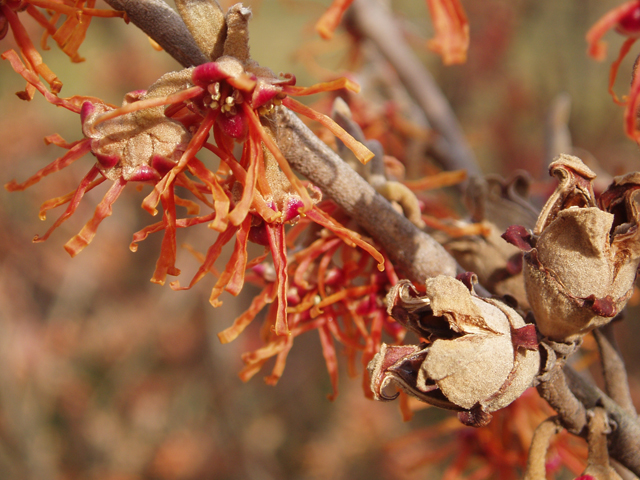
(624, 441)
(160, 22)
(616, 383)
(419, 255)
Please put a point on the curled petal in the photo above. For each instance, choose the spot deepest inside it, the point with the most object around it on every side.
(74, 201)
(329, 352)
(362, 153)
(212, 255)
(597, 48)
(167, 259)
(278, 247)
(103, 210)
(232, 278)
(257, 127)
(330, 19)
(28, 50)
(613, 73)
(158, 226)
(452, 31)
(348, 236)
(265, 297)
(337, 84)
(75, 152)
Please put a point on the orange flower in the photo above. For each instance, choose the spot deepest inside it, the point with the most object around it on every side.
(449, 22)
(499, 450)
(626, 21)
(69, 35)
(154, 138)
(330, 287)
(452, 31)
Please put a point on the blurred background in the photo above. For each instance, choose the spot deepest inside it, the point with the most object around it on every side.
(106, 376)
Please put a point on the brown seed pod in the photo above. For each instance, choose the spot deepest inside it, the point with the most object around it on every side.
(581, 261)
(481, 355)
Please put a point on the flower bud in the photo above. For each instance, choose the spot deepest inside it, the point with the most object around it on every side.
(480, 354)
(581, 262)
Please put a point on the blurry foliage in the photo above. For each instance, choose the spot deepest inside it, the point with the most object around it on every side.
(107, 376)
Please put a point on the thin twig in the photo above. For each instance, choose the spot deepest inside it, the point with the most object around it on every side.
(624, 441)
(164, 26)
(537, 461)
(616, 382)
(375, 21)
(556, 392)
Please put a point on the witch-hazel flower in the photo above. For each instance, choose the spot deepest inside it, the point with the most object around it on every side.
(479, 354)
(580, 264)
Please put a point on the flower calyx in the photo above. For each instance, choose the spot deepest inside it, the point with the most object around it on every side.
(479, 355)
(581, 259)
(142, 145)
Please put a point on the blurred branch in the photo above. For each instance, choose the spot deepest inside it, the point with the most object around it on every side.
(557, 133)
(375, 21)
(624, 440)
(160, 22)
(537, 461)
(615, 375)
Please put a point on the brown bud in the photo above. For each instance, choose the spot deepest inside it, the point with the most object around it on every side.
(581, 271)
(480, 356)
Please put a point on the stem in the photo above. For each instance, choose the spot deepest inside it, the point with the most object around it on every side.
(419, 255)
(537, 461)
(557, 393)
(164, 26)
(625, 439)
(616, 383)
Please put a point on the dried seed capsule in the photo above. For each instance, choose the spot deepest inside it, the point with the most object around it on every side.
(581, 262)
(481, 355)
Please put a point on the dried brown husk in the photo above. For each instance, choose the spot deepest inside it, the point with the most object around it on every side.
(479, 355)
(581, 268)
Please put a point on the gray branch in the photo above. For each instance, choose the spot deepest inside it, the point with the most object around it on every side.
(616, 383)
(160, 22)
(419, 255)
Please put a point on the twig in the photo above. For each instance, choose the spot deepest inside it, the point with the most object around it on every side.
(616, 383)
(571, 396)
(375, 21)
(536, 463)
(624, 441)
(419, 255)
(557, 393)
(557, 133)
(164, 26)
